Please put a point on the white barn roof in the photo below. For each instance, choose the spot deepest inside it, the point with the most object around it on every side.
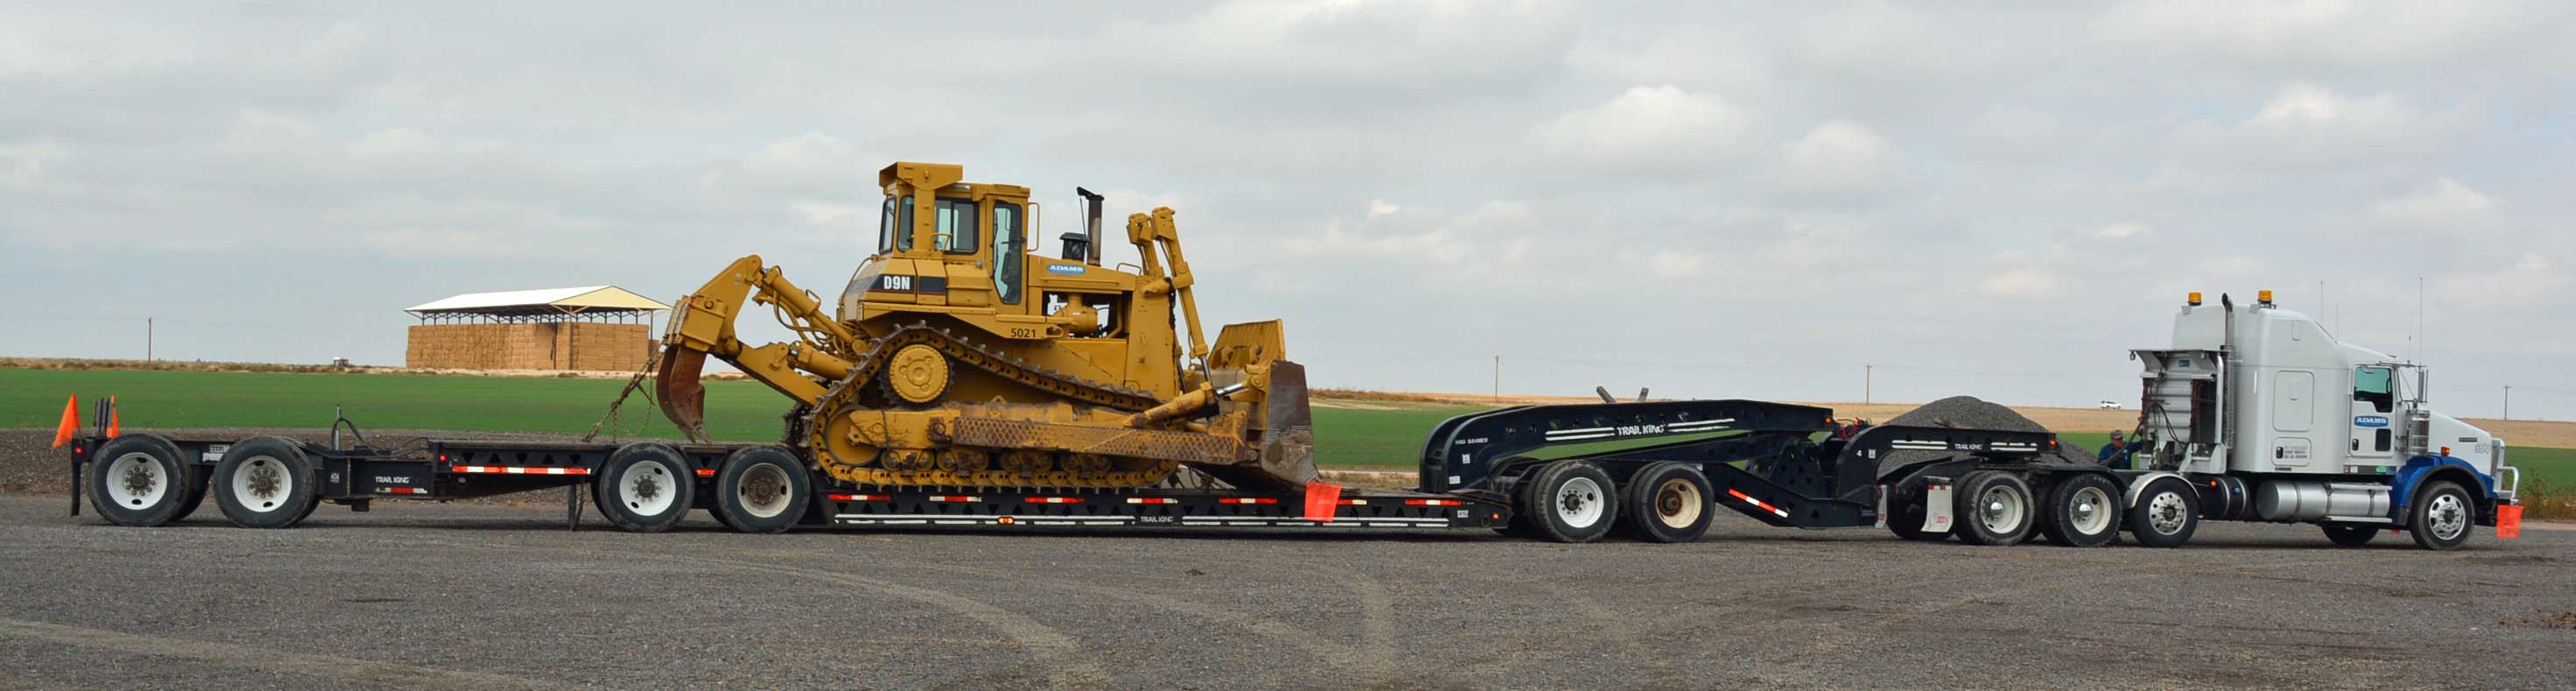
(543, 301)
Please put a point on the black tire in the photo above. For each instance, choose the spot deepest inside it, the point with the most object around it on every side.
(2349, 535)
(2166, 514)
(762, 489)
(1571, 501)
(1905, 519)
(1994, 508)
(264, 482)
(196, 491)
(138, 480)
(1667, 502)
(2441, 515)
(645, 487)
(2083, 510)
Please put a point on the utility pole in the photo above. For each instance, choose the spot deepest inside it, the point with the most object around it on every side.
(147, 340)
(1868, 378)
(2508, 401)
(1498, 378)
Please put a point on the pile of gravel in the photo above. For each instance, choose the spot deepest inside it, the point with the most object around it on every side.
(1970, 412)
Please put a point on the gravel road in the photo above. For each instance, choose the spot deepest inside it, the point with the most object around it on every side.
(447, 596)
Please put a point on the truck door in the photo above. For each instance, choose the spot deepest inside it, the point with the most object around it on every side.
(2293, 414)
(2374, 403)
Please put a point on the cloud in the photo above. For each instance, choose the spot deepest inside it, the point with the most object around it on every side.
(2443, 205)
(2123, 231)
(1840, 159)
(1658, 126)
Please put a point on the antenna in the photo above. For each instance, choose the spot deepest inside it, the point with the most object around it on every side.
(2419, 319)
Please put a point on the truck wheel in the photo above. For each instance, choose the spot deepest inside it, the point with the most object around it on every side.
(1571, 501)
(2442, 514)
(644, 488)
(265, 482)
(2349, 535)
(1667, 502)
(137, 480)
(762, 489)
(2166, 514)
(1906, 521)
(1994, 509)
(2083, 511)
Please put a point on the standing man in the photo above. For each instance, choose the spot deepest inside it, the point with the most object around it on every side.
(2116, 454)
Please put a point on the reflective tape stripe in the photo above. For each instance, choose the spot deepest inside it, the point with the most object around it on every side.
(405, 490)
(1434, 502)
(955, 498)
(858, 497)
(1247, 500)
(1152, 500)
(520, 470)
(1757, 502)
(1052, 500)
(706, 472)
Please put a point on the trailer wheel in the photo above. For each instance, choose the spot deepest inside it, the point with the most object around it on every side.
(137, 480)
(265, 482)
(1905, 518)
(2166, 514)
(2083, 511)
(2442, 515)
(1667, 502)
(2349, 535)
(1994, 509)
(762, 489)
(644, 487)
(1571, 501)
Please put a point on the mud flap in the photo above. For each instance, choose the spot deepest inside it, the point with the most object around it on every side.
(1937, 505)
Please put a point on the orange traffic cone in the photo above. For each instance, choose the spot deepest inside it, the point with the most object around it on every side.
(111, 417)
(71, 422)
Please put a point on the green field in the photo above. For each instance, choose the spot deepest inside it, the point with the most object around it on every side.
(1389, 435)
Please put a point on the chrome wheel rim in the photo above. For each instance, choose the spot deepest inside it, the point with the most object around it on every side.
(2090, 513)
(2001, 510)
(646, 488)
(1678, 503)
(2449, 515)
(762, 491)
(1578, 503)
(135, 480)
(2166, 514)
(261, 484)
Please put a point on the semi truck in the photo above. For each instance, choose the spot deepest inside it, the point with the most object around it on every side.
(2246, 417)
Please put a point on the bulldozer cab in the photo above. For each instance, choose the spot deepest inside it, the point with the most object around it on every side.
(943, 242)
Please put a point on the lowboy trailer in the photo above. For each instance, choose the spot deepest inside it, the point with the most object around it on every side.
(1655, 471)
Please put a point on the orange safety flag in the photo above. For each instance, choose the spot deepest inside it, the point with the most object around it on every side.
(71, 422)
(2509, 521)
(1322, 501)
(111, 417)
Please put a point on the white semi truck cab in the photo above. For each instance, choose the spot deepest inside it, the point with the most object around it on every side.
(2272, 419)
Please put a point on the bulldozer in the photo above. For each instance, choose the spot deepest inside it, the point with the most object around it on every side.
(959, 355)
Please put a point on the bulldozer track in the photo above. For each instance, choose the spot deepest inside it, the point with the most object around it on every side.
(805, 430)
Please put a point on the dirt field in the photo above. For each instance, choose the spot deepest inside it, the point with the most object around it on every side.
(429, 596)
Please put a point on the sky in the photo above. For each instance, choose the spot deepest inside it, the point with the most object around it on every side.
(1792, 201)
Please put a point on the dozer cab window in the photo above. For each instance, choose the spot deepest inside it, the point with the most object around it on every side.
(2371, 385)
(1007, 247)
(895, 231)
(955, 233)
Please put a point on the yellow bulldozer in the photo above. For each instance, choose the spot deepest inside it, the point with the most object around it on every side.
(961, 356)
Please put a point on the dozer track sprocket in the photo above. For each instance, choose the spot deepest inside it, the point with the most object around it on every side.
(857, 463)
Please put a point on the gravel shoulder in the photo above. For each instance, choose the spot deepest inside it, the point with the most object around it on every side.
(424, 595)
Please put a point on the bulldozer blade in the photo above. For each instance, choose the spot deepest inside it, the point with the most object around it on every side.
(1288, 426)
(675, 384)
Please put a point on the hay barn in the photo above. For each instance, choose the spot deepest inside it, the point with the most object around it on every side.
(593, 328)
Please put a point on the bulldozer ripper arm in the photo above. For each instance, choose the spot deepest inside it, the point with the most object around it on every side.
(703, 325)
(1149, 231)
